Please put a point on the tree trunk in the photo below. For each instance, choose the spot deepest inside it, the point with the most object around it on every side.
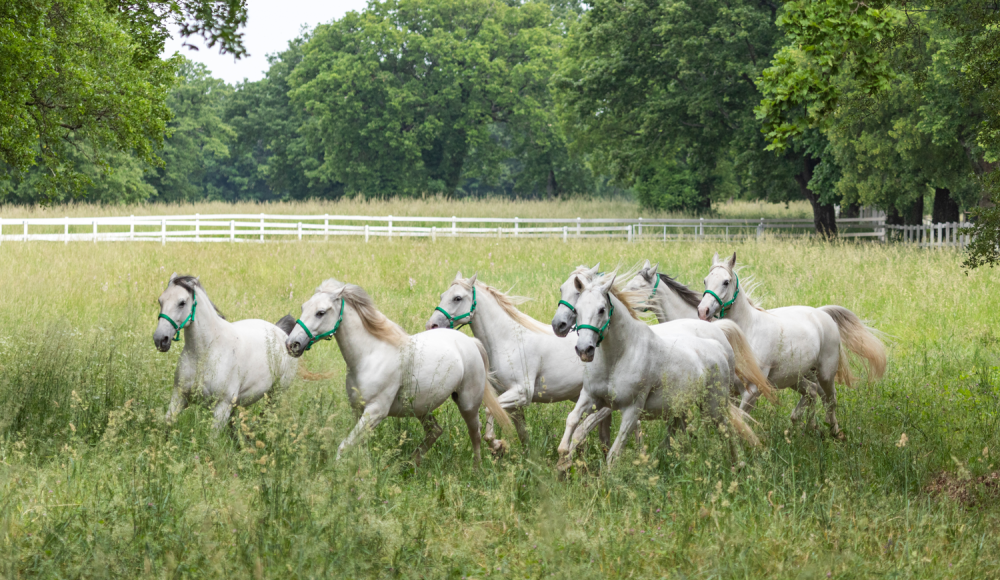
(945, 208)
(552, 188)
(824, 216)
(914, 215)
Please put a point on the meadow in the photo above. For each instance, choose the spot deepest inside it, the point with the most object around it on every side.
(93, 484)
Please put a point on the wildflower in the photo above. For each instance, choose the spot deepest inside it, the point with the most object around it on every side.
(986, 452)
(903, 440)
(733, 486)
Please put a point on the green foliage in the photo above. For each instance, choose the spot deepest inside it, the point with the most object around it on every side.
(400, 95)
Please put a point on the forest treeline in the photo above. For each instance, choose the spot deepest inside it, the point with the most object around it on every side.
(683, 103)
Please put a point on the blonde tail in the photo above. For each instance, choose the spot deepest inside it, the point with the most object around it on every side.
(742, 428)
(859, 339)
(489, 395)
(747, 368)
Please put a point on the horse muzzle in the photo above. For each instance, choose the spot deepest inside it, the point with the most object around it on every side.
(294, 347)
(585, 352)
(162, 343)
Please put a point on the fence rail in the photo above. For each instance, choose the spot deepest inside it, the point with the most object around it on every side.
(260, 227)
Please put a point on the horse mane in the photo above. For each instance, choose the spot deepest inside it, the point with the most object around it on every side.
(189, 283)
(509, 304)
(633, 301)
(688, 295)
(376, 323)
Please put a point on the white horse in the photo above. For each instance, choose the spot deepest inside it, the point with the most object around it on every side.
(231, 363)
(798, 347)
(392, 374)
(528, 361)
(749, 378)
(676, 308)
(634, 370)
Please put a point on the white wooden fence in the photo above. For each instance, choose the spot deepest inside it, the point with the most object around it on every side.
(260, 227)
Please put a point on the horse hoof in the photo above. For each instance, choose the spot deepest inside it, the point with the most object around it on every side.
(499, 448)
(840, 436)
(564, 464)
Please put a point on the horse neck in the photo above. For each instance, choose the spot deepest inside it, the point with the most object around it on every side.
(490, 323)
(354, 340)
(668, 305)
(622, 330)
(743, 313)
(207, 324)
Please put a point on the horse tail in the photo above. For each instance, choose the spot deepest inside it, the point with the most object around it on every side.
(489, 394)
(736, 419)
(859, 339)
(286, 324)
(747, 368)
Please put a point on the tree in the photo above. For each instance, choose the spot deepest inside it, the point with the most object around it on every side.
(399, 95)
(199, 138)
(83, 82)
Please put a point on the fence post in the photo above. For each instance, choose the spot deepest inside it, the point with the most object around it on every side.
(664, 234)
(760, 228)
(197, 228)
(95, 230)
(499, 232)
(300, 231)
(515, 226)
(66, 231)
(701, 228)
(26, 230)
(366, 233)
(326, 226)
(261, 227)
(163, 231)
(630, 233)
(434, 233)
(232, 231)
(640, 227)
(390, 227)
(454, 227)
(579, 232)
(565, 234)
(131, 228)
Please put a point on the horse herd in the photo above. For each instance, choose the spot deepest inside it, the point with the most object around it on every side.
(708, 349)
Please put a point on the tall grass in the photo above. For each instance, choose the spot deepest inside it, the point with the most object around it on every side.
(93, 484)
(431, 207)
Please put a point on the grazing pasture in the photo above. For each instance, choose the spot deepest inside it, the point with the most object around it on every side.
(93, 483)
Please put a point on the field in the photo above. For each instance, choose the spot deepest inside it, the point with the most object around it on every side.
(93, 484)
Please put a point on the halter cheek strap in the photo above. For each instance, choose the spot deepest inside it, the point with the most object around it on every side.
(453, 319)
(571, 308)
(326, 335)
(725, 305)
(188, 320)
(600, 331)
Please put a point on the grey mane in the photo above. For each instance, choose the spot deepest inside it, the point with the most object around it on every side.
(686, 294)
(189, 283)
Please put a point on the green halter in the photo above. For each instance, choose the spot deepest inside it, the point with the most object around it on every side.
(570, 306)
(725, 305)
(655, 286)
(599, 331)
(326, 335)
(188, 320)
(452, 320)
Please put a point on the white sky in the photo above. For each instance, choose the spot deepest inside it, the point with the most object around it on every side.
(270, 25)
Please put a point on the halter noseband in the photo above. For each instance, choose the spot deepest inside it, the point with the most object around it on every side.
(188, 320)
(326, 335)
(725, 305)
(600, 331)
(453, 319)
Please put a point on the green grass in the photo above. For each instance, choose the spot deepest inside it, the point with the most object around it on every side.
(92, 484)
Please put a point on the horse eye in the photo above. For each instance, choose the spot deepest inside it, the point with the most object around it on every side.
(725, 283)
(181, 303)
(321, 314)
(601, 311)
(458, 299)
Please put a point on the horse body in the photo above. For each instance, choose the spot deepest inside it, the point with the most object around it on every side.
(392, 374)
(639, 372)
(529, 363)
(797, 347)
(229, 363)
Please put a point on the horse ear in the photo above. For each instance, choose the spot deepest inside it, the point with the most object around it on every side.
(172, 278)
(458, 276)
(606, 287)
(595, 269)
(653, 270)
(578, 283)
(646, 265)
(715, 259)
(732, 261)
(472, 281)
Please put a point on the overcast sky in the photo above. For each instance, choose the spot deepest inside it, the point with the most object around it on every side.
(270, 25)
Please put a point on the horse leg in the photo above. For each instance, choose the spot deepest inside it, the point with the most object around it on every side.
(431, 433)
(594, 419)
(584, 405)
(808, 390)
(370, 418)
(178, 402)
(223, 409)
(472, 422)
(829, 394)
(630, 419)
(517, 416)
